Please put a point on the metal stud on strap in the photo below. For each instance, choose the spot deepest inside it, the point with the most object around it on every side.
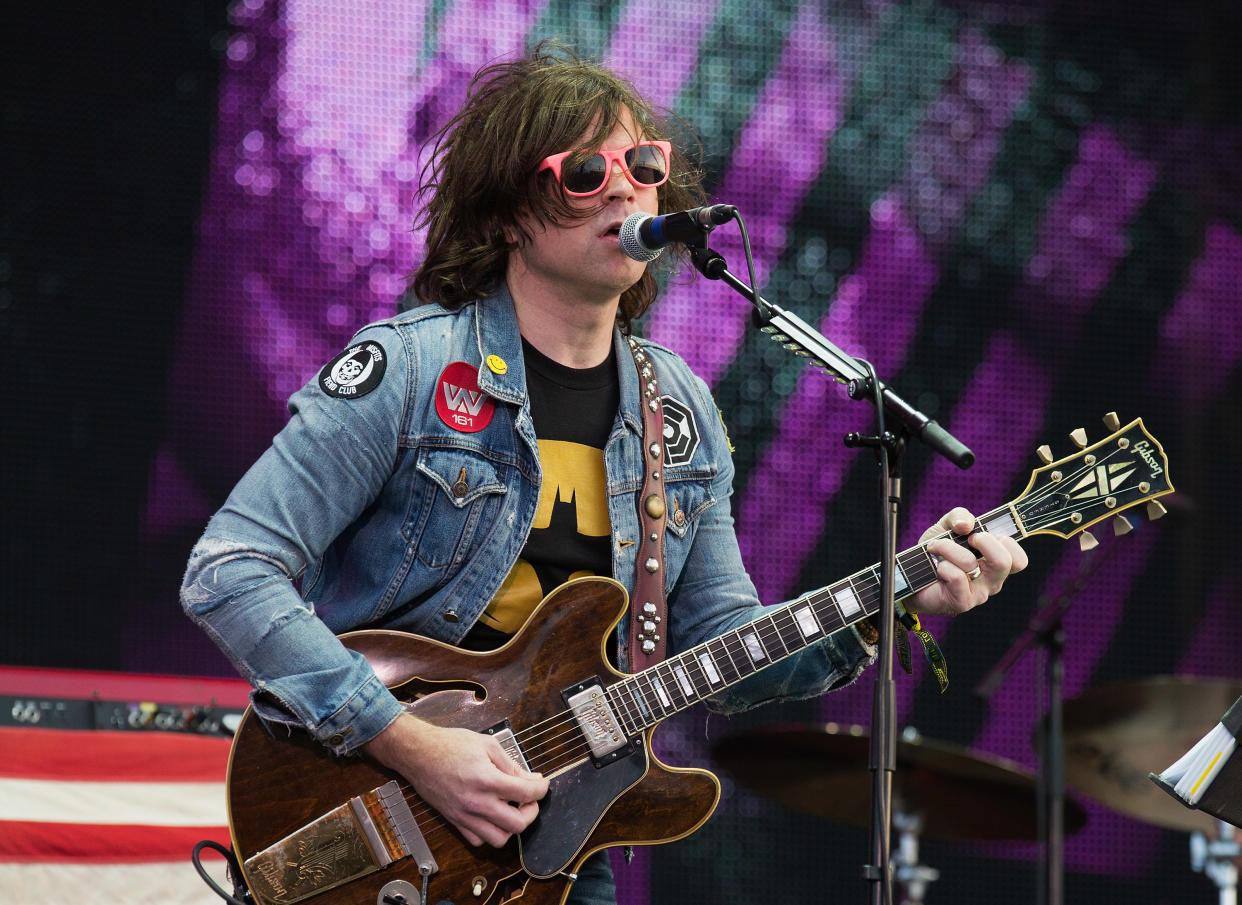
(647, 648)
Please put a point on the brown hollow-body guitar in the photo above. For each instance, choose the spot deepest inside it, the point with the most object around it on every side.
(307, 825)
(279, 786)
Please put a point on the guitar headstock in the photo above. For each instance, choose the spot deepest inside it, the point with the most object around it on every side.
(1125, 469)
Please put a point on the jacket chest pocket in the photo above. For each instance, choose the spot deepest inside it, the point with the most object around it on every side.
(454, 506)
(687, 501)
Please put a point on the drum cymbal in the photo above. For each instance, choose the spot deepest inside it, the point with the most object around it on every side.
(960, 794)
(1116, 734)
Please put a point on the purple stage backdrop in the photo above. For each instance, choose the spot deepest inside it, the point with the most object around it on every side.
(1024, 217)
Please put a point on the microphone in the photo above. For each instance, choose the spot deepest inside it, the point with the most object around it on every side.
(643, 236)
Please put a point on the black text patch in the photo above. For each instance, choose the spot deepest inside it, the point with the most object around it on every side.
(355, 372)
(681, 434)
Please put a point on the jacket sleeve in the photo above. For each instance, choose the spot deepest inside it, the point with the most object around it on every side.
(713, 595)
(320, 473)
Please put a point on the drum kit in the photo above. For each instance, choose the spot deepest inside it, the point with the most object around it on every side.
(1114, 736)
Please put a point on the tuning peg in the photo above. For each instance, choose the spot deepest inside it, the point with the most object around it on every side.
(1045, 454)
(1079, 436)
(1087, 541)
(1122, 525)
(1111, 421)
(1155, 510)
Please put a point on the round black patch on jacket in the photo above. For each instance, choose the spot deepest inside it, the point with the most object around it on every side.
(355, 372)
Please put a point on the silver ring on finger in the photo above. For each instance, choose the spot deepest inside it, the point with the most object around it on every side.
(975, 573)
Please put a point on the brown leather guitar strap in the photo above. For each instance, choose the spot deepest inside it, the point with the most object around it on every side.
(648, 608)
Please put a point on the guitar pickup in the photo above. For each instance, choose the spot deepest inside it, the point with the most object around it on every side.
(596, 720)
(503, 733)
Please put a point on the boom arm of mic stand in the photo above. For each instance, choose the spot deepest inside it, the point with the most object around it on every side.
(801, 338)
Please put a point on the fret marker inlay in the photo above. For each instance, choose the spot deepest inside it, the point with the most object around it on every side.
(639, 701)
(806, 621)
(847, 601)
(684, 681)
(899, 581)
(709, 668)
(754, 647)
(659, 690)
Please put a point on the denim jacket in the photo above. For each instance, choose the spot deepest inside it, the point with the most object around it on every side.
(375, 511)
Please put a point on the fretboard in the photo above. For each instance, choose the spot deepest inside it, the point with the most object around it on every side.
(646, 698)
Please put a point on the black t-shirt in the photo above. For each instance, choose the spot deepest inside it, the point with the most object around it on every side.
(573, 410)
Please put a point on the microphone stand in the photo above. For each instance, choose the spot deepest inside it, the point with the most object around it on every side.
(802, 339)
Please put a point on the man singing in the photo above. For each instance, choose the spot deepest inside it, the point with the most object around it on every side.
(456, 462)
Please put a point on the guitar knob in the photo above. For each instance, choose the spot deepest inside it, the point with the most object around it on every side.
(1079, 436)
(1155, 510)
(1087, 541)
(1045, 454)
(1112, 422)
(1122, 525)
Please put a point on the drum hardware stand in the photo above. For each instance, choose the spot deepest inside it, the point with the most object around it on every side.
(1047, 630)
(1217, 859)
(910, 877)
(800, 338)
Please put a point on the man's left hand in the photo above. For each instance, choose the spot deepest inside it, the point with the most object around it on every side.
(966, 580)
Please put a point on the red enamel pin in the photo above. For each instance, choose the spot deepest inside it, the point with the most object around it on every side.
(459, 401)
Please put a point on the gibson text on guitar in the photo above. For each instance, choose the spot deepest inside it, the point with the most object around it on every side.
(306, 824)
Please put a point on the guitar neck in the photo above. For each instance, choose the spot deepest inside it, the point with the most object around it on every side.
(644, 699)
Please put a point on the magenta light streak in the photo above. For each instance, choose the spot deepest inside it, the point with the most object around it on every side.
(1214, 651)
(952, 154)
(1198, 313)
(804, 98)
(1082, 236)
(656, 45)
(1005, 359)
(1193, 314)
(305, 232)
(1080, 243)
(1091, 627)
(877, 309)
(1000, 411)
(349, 90)
(1201, 337)
(874, 316)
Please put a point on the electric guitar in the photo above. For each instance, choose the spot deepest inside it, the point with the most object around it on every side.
(309, 825)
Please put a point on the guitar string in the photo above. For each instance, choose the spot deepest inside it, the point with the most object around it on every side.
(421, 810)
(556, 760)
(924, 570)
(731, 642)
(540, 758)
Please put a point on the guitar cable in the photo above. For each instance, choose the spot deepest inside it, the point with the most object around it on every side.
(241, 895)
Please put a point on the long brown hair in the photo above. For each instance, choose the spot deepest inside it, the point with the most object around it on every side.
(481, 179)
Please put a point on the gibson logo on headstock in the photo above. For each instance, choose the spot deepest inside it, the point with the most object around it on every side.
(1143, 450)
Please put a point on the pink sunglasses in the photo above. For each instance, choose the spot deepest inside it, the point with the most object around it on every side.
(645, 164)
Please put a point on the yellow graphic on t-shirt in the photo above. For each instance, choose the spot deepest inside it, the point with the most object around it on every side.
(573, 477)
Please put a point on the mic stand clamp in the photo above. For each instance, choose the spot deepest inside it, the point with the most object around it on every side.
(888, 440)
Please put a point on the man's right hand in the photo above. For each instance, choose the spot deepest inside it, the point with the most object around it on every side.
(464, 775)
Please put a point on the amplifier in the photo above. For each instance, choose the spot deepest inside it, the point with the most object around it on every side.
(80, 699)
